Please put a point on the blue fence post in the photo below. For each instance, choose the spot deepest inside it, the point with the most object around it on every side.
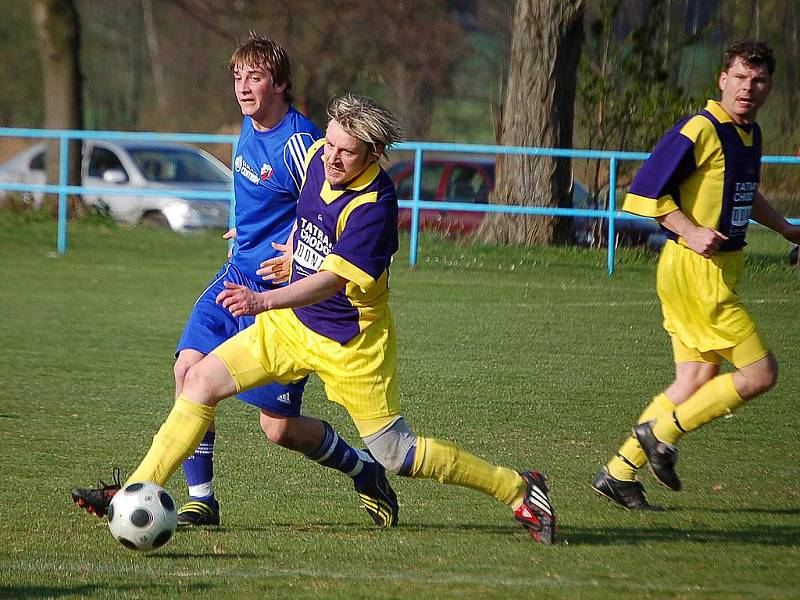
(612, 208)
(63, 172)
(412, 252)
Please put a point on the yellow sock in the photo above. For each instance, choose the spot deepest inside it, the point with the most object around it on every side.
(445, 462)
(630, 456)
(175, 441)
(715, 398)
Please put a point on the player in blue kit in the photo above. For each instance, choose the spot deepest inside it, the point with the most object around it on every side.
(268, 169)
(701, 184)
(333, 319)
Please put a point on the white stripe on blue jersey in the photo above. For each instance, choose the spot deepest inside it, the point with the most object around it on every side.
(295, 152)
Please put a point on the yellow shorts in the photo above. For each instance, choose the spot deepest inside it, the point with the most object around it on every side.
(741, 355)
(361, 375)
(698, 300)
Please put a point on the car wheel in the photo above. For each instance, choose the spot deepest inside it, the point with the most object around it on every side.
(154, 219)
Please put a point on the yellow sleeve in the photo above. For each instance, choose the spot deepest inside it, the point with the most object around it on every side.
(336, 264)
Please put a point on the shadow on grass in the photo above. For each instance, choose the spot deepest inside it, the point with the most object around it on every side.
(588, 536)
(215, 555)
(757, 534)
(610, 536)
(83, 591)
(734, 511)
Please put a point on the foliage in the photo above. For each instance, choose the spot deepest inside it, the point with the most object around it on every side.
(628, 91)
(21, 95)
(647, 63)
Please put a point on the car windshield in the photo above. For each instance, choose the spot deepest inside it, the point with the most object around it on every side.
(176, 165)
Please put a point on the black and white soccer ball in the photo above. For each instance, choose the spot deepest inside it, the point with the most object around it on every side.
(142, 516)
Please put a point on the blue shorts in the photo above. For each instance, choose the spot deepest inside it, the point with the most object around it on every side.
(209, 325)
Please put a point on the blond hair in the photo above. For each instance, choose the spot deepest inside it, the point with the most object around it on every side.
(368, 121)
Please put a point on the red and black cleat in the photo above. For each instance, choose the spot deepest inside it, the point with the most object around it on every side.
(536, 514)
(95, 501)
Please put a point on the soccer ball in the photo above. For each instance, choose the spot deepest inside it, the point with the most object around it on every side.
(142, 516)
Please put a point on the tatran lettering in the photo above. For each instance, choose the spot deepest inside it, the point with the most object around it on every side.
(312, 235)
(744, 192)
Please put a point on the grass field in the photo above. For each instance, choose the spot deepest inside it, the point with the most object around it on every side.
(527, 357)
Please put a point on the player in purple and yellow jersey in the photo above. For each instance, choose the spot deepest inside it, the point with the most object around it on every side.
(267, 173)
(701, 184)
(333, 319)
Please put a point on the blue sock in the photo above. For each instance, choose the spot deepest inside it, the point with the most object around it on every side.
(408, 462)
(199, 470)
(337, 454)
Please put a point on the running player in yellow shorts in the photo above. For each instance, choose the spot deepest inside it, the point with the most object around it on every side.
(333, 319)
(701, 184)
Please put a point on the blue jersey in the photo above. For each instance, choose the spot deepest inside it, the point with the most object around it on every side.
(267, 173)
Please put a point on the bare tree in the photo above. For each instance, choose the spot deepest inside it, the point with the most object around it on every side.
(539, 110)
(59, 44)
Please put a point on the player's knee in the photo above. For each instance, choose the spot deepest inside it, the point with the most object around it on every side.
(185, 361)
(394, 447)
(200, 385)
(688, 381)
(278, 431)
(179, 370)
(763, 378)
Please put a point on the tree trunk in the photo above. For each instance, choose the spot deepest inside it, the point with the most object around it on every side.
(155, 55)
(539, 111)
(58, 31)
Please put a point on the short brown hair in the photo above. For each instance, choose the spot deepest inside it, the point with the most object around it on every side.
(267, 54)
(752, 52)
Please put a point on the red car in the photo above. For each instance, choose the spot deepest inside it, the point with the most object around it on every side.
(450, 180)
(470, 181)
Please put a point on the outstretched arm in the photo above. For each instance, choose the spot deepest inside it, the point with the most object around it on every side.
(765, 213)
(242, 301)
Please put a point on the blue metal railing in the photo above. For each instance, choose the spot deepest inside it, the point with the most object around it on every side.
(63, 189)
(416, 204)
(610, 213)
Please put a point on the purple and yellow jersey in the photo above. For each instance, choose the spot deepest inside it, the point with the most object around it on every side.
(351, 231)
(706, 166)
(267, 173)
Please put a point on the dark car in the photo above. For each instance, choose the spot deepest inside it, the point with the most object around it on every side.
(470, 180)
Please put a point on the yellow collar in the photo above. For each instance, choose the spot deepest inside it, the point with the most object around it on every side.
(745, 132)
(715, 108)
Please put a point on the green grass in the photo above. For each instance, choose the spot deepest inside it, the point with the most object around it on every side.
(528, 357)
